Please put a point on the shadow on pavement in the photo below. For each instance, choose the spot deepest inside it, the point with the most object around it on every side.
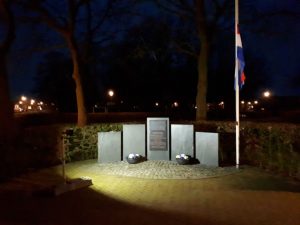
(84, 207)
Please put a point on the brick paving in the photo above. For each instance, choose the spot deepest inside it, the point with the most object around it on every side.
(235, 197)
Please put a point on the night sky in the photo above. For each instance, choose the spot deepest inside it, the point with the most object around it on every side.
(271, 48)
(278, 45)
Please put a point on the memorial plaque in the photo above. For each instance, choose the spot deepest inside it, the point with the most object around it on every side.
(207, 148)
(158, 138)
(158, 135)
(134, 139)
(182, 140)
(109, 146)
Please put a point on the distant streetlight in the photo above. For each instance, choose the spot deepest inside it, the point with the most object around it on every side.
(23, 98)
(267, 94)
(221, 104)
(110, 93)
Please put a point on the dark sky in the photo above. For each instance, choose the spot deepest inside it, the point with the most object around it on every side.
(276, 44)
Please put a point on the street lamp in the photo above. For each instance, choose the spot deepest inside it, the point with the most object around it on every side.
(267, 94)
(267, 101)
(110, 93)
(23, 98)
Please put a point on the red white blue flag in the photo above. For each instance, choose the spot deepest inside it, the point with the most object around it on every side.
(240, 60)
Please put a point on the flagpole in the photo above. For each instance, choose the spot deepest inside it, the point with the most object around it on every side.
(237, 90)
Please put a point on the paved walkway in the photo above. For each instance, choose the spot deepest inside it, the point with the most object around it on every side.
(244, 197)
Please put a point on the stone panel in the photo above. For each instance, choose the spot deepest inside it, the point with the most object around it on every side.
(182, 140)
(207, 148)
(109, 146)
(134, 139)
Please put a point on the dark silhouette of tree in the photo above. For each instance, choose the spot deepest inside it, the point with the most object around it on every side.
(54, 83)
(204, 28)
(212, 18)
(67, 18)
(145, 69)
(7, 32)
(62, 18)
(10, 162)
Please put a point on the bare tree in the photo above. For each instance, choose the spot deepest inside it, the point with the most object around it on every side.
(77, 25)
(65, 26)
(196, 11)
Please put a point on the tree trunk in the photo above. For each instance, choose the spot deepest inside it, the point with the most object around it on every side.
(67, 31)
(82, 118)
(7, 123)
(9, 163)
(201, 112)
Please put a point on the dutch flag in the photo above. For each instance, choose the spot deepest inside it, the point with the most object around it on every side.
(240, 60)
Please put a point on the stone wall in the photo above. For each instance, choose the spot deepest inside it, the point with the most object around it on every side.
(83, 144)
(44, 143)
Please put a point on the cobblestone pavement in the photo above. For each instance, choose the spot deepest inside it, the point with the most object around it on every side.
(159, 169)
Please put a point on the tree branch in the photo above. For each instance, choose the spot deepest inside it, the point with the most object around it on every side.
(43, 15)
(172, 7)
(184, 50)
